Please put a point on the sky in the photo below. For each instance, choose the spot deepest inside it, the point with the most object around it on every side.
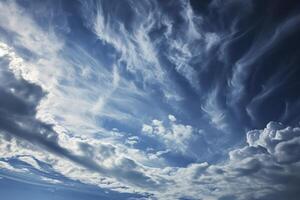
(149, 99)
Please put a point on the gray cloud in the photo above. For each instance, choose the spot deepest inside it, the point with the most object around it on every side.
(266, 168)
(18, 104)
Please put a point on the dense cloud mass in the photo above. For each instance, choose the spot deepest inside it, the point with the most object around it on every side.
(148, 99)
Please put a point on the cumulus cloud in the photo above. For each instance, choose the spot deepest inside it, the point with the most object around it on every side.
(175, 136)
(263, 169)
(282, 142)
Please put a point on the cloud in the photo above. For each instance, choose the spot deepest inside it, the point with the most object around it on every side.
(211, 40)
(213, 108)
(32, 37)
(137, 50)
(92, 104)
(257, 170)
(82, 90)
(18, 109)
(30, 136)
(282, 142)
(175, 136)
(269, 40)
(97, 108)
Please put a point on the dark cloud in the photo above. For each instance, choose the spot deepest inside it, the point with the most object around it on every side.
(18, 104)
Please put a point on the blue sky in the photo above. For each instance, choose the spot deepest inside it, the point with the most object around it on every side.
(149, 99)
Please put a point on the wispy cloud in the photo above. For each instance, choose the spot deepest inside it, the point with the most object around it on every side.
(87, 91)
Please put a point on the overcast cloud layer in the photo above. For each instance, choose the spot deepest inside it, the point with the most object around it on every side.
(150, 99)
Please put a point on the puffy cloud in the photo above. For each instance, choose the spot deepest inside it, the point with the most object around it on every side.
(263, 169)
(172, 118)
(175, 136)
(211, 40)
(282, 142)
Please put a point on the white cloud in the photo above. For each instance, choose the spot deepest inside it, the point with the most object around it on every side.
(193, 21)
(81, 91)
(6, 166)
(282, 143)
(216, 113)
(269, 154)
(211, 39)
(175, 136)
(250, 172)
(136, 48)
(13, 18)
(73, 104)
(29, 160)
(172, 118)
